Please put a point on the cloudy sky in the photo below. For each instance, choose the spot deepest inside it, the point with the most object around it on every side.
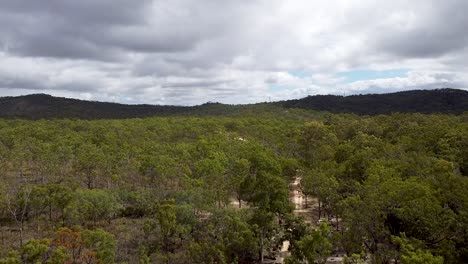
(188, 52)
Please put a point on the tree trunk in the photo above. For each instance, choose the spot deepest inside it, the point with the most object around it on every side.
(89, 182)
(337, 223)
(21, 233)
(261, 246)
(320, 209)
(166, 249)
(63, 216)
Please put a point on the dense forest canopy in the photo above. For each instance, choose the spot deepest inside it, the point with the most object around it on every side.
(194, 189)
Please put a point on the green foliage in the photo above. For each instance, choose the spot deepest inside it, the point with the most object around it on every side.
(102, 243)
(314, 247)
(50, 198)
(166, 217)
(34, 250)
(12, 258)
(212, 171)
(323, 185)
(93, 205)
(270, 193)
(38, 251)
(168, 184)
(136, 203)
(317, 143)
(354, 259)
(238, 175)
(143, 255)
(204, 252)
(59, 256)
(413, 255)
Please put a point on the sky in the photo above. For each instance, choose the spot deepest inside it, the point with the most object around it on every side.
(187, 52)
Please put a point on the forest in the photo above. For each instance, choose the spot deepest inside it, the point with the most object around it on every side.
(217, 189)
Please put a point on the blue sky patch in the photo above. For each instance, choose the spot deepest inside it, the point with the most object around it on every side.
(300, 73)
(361, 75)
(275, 87)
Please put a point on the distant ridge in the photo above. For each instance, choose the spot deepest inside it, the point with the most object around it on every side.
(39, 106)
(446, 100)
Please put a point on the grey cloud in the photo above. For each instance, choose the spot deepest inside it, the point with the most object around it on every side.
(102, 29)
(91, 12)
(435, 29)
(99, 30)
(36, 83)
(65, 47)
(271, 80)
(423, 43)
(196, 84)
(189, 51)
(23, 83)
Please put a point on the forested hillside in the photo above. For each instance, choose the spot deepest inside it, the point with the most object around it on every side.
(187, 189)
(38, 106)
(416, 101)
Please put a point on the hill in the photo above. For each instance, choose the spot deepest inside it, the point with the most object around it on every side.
(37, 106)
(446, 100)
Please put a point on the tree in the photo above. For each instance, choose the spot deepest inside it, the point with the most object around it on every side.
(295, 230)
(18, 206)
(59, 256)
(166, 217)
(238, 173)
(102, 244)
(322, 185)
(410, 254)
(49, 198)
(317, 143)
(233, 235)
(204, 252)
(267, 192)
(387, 205)
(34, 251)
(315, 247)
(93, 205)
(212, 171)
(60, 197)
(453, 147)
(265, 227)
(71, 243)
(159, 169)
(83, 246)
(38, 251)
(89, 164)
